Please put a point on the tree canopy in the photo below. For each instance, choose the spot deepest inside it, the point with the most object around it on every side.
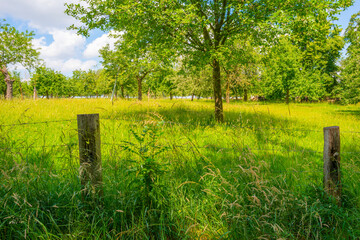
(15, 48)
(203, 29)
(350, 72)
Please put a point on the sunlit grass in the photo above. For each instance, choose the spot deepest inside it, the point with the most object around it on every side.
(257, 175)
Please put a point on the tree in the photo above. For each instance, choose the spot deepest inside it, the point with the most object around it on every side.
(83, 83)
(201, 28)
(350, 67)
(242, 67)
(321, 57)
(116, 66)
(49, 83)
(15, 48)
(19, 88)
(285, 75)
(103, 83)
(131, 59)
(161, 81)
(282, 66)
(193, 80)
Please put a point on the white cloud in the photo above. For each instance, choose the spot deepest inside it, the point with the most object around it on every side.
(76, 64)
(65, 52)
(44, 15)
(38, 42)
(66, 44)
(92, 49)
(17, 67)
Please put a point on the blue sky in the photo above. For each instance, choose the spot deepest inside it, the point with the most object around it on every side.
(64, 50)
(345, 16)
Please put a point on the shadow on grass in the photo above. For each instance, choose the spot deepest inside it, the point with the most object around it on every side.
(349, 112)
(179, 113)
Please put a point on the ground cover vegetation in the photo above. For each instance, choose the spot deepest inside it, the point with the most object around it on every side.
(170, 171)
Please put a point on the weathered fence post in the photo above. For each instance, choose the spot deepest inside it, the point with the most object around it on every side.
(332, 178)
(90, 155)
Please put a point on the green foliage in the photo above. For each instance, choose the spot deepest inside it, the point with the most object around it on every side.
(26, 87)
(103, 83)
(193, 80)
(286, 76)
(116, 65)
(148, 168)
(89, 83)
(130, 64)
(84, 83)
(160, 82)
(242, 67)
(311, 85)
(282, 68)
(350, 71)
(16, 47)
(50, 83)
(2, 85)
(321, 56)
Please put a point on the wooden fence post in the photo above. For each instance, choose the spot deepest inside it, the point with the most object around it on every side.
(332, 178)
(90, 155)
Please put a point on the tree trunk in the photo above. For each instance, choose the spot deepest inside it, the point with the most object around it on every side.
(219, 115)
(227, 88)
(122, 91)
(9, 89)
(35, 95)
(287, 96)
(245, 94)
(139, 82)
(171, 96)
(8, 80)
(21, 91)
(192, 97)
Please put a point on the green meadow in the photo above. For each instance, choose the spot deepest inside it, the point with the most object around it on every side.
(171, 172)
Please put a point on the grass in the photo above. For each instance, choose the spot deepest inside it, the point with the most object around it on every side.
(258, 175)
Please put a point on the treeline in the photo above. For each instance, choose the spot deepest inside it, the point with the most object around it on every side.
(48, 83)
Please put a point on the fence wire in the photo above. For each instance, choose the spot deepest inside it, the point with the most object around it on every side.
(35, 123)
(185, 146)
(177, 123)
(43, 146)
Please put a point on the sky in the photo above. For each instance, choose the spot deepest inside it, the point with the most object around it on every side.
(63, 50)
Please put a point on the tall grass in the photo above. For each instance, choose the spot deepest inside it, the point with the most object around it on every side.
(258, 175)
